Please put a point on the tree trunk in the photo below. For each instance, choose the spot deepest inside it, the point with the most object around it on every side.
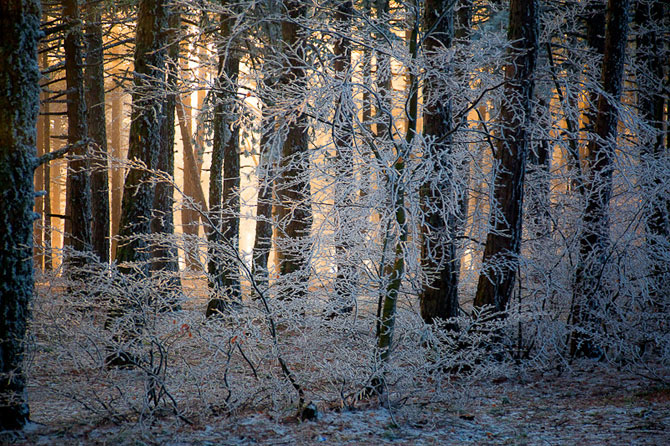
(649, 78)
(293, 189)
(346, 238)
(503, 242)
(78, 205)
(117, 171)
(97, 132)
(224, 200)
(594, 243)
(145, 134)
(19, 108)
(193, 189)
(395, 271)
(165, 257)
(439, 297)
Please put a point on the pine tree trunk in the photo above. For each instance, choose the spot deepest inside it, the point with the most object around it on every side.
(97, 132)
(224, 197)
(503, 242)
(346, 281)
(117, 171)
(145, 134)
(293, 189)
(650, 98)
(594, 242)
(78, 205)
(439, 297)
(165, 257)
(19, 108)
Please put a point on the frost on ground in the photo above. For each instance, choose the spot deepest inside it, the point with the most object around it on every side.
(592, 404)
(217, 382)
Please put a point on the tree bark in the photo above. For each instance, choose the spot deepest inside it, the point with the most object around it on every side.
(503, 242)
(145, 134)
(165, 257)
(224, 200)
(649, 78)
(346, 281)
(594, 242)
(19, 108)
(97, 132)
(439, 260)
(78, 205)
(116, 171)
(293, 188)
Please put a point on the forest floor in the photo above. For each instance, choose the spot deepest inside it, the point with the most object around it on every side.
(593, 404)
(587, 403)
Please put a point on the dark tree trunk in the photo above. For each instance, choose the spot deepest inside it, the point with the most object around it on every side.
(165, 256)
(594, 242)
(145, 133)
(97, 132)
(263, 240)
(293, 189)
(78, 206)
(224, 200)
(19, 107)
(649, 18)
(439, 297)
(346, 282)
(503, 241)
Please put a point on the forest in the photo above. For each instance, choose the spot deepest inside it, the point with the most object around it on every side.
(282, 215)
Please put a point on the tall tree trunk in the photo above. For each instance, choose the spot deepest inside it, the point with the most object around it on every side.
(145, 133)
(263, 239)
(19, 108)
(503, 242)
(97, 132)
(294, 210)
(46, 210)
(192, 188)
(439, 297)
(395, 271)
(346, 238)
(224, 200)
(649, 77)
(78, 205)
(165, 256)
(594, 243)
(116, 171)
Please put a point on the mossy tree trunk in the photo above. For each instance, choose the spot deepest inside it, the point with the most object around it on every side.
(19, 107)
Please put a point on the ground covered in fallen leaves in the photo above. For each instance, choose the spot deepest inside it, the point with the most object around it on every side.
(589, 403)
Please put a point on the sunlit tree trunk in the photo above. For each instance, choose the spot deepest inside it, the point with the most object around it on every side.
(78, 205)
(116, 171)
(594, 242)
(224, 200)
(503, 241)
(97, 132)
(19, 108)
